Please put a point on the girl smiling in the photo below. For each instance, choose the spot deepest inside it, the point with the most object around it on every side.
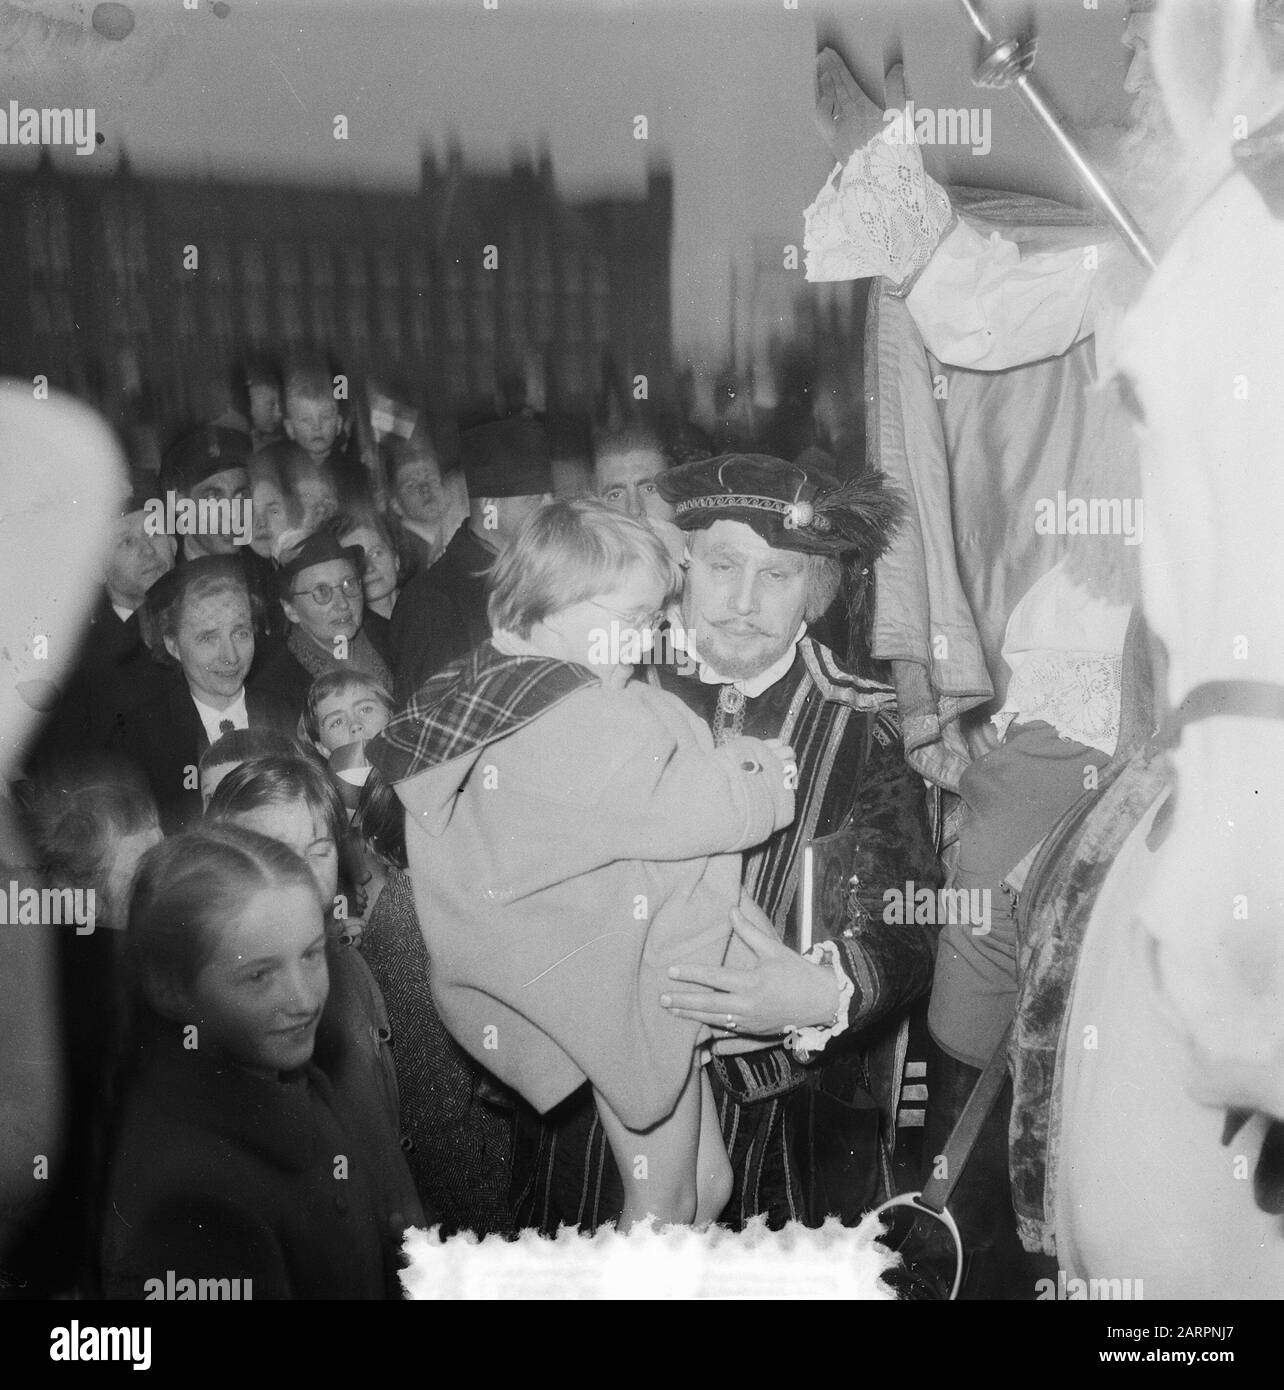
(234, 1159)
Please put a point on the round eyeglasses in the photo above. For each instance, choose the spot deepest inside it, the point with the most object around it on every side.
(641, 621)
(322, 594)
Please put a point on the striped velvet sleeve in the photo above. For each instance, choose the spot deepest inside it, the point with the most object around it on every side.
(888, 955)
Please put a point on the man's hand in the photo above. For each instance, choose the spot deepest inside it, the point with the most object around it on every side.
(779, 991)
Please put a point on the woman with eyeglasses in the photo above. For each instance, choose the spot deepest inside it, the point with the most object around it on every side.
(320, 587)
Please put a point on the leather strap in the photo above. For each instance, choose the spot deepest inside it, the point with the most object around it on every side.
(958, 1147)
(1252, 699)
(1260, 156)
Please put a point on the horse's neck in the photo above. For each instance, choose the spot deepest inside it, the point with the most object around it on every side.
(1207, 344)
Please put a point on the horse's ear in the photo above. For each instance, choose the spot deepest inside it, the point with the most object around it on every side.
(1214, 66)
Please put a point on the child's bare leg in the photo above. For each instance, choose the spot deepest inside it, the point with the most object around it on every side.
(713, 1167)
(658, 1166)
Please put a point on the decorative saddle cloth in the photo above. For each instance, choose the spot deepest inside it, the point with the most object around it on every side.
(1053, 915)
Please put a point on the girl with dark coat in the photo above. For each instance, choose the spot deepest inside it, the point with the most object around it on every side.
(294, 801)
(235, 1166)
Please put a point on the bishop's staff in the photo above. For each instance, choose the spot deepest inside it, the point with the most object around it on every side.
(1007, 63)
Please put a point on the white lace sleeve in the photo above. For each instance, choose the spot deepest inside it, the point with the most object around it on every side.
(803, 1042)
(1079, 693)
(881, 215)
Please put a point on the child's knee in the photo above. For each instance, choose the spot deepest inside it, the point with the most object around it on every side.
(668, 1197)
(714, 1180)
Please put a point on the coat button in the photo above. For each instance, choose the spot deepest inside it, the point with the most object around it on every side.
(384, 1034)
(750, 765)
(407, 1144)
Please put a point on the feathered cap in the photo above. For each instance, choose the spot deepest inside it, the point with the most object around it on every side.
(792, 506)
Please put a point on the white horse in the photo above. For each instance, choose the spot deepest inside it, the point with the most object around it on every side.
(1177, 1016)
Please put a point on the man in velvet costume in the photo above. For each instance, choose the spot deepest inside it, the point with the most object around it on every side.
(808, 1122)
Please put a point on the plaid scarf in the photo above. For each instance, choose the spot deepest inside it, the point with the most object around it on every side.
(482, 698)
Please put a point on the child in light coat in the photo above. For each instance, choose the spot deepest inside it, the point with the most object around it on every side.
(573, 832)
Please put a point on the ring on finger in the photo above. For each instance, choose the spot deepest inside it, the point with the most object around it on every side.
(731, 1022)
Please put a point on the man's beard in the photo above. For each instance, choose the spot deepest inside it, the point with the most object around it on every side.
(1139, 161)
(740, 657)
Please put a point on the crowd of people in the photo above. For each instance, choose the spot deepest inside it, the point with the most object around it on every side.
(446, 813)
(444, 825)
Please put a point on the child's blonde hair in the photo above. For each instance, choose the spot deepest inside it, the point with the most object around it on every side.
(567, 551)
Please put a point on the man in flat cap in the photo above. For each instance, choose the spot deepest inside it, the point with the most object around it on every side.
(207, 469)
(441, 613)
(766, 541)
(208, 474)
(319, 587)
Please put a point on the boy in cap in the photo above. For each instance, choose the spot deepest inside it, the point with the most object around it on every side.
(209, 469)
(212, 471)
(442, 612)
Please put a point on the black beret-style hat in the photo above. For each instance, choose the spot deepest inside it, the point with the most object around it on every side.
(792, 506)
(506, 458)
(199, 455)
(316, 549)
